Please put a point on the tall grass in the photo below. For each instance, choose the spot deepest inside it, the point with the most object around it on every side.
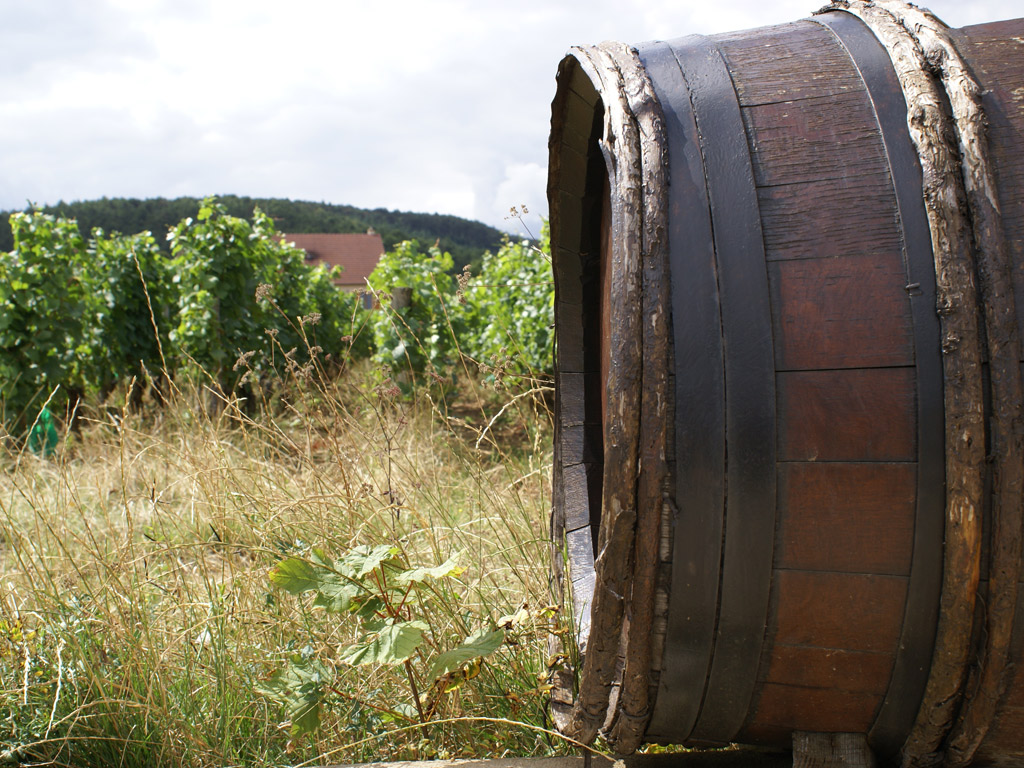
(137, 622)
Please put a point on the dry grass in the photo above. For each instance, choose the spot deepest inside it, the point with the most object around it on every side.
(136, 617)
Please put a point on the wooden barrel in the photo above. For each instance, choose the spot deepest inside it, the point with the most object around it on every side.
(788, 452)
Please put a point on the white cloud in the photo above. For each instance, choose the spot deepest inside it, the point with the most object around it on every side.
(421, 106)
(523, 187)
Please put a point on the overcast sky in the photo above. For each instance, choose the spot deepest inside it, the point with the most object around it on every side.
(430, 106)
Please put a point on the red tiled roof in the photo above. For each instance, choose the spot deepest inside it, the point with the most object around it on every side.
(356, 254)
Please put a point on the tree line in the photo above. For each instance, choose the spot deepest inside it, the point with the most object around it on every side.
(466, 240)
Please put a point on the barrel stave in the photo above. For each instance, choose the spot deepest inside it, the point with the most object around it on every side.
(844, 352)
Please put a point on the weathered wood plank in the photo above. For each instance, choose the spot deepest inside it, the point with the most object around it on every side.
(788, 62)
(854, 518)
(572, 178)
(995, 52)
(841, 313)
(817, 139)
(580, 443)
(1002, 745)
(847, 415)
(830, 668)
(815, 709)
(855, 612)
(576, 482)
(568, 277)
(801, 221)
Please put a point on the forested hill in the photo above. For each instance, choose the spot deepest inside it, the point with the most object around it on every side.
(464, 239)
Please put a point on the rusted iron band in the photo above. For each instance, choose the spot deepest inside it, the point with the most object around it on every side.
(750, 504)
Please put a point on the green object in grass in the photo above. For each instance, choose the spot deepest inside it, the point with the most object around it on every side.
(42, 439)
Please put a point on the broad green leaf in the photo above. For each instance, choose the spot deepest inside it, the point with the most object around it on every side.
(299, 687)
(362, 560)
(304, 714)
(376, 625)
(335, 593)
(480, 643)
(296, 575)
(369, 608)
(393, 644)
(449, 567)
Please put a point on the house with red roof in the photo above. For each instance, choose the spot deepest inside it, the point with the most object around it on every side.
(356, 254)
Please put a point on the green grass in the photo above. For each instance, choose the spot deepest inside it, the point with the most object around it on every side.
(137, 621)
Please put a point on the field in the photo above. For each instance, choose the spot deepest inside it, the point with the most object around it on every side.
(140, 624)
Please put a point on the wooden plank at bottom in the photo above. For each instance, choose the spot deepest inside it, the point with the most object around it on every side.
(832, 750)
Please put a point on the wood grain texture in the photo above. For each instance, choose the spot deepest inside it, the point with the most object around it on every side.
(604, 301)
(814, 709)
(577, 112)
(934, 136)
(580, 546)
(632, 709)
(841, 313)
(847, 415)
(1003, 745)
(830, 669)
(854, 518)
(581, 443)
(568, 277)
(576, 475)
(844, 216)
(578, 487)
(613, 564)
(995, 52)
(573, 178)
(855, 612)
(996, 274)
(788, 62)
(813, 140)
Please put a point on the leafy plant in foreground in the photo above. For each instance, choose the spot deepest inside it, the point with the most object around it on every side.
(388, 598)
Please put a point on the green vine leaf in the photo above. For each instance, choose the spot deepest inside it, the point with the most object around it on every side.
(299, 687)
(449, 567)
(296, 575)
(335, 594)
(392, 644)
(363, 560)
